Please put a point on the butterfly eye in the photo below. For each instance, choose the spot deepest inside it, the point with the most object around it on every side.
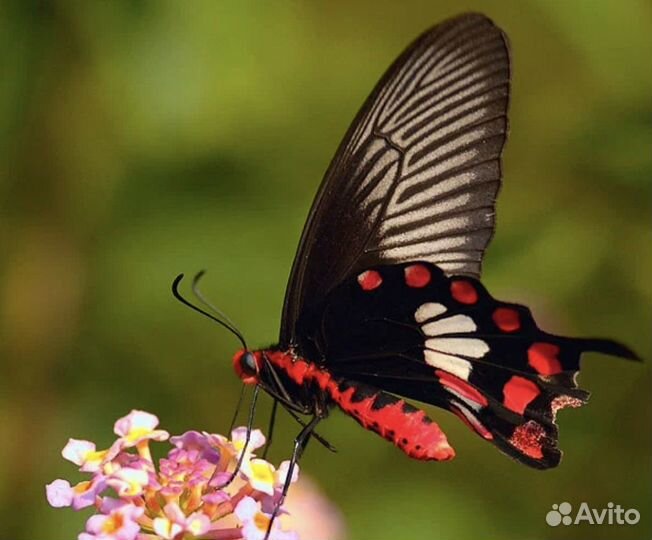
(248, 364)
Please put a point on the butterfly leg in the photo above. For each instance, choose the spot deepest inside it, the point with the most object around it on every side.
(280, 395)
(270, 429)
(293, 411)
(237, 408)
(299, 445)
(316, 435)
(250, 423)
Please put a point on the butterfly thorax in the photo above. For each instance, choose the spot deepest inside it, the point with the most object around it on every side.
(299, 384)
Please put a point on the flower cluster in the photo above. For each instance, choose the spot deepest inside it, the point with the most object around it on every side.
(187, 496)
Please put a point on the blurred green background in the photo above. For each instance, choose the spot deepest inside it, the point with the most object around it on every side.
(142, 139)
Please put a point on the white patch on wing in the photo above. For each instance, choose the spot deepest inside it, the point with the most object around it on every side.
(452, 364)
(475, 348)
(458, 266)
(428, 311)
(456, 324)
(448, 226)
(416, 251)
(431, 191)
(416, 157)
(469, 402)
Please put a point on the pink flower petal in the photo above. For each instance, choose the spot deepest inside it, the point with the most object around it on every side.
(96, 460)
(260, 474)
(246, 509)
(128, 482)
(165, 528)
(85, 493)
(109, 504)
(174, 513)
(119, 524)
(193, 440)
(217, 497)
(76, 450)
(255, 522)
(95, 523)
(59, 493)
(282, 473)
(139, 426)
(135, 420)
(198, 523)
(239, 436)
(220, 444)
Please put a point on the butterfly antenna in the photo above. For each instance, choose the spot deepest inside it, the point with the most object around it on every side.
(177, 295)
(200, 296)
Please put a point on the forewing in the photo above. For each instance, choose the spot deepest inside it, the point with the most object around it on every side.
(417, 173)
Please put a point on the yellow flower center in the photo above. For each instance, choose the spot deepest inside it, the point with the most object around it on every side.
(82, 487)
(238, 445)
(195, 527)
(95, 456)
(137, 433)
(133, 488)
(262, 472)
(261, 521)
(113, 524)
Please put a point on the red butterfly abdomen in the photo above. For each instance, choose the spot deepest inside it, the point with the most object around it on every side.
(392, 418)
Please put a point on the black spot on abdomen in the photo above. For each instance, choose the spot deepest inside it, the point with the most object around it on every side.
(383, 400)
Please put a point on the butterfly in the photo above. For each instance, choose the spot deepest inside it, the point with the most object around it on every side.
(384, 302)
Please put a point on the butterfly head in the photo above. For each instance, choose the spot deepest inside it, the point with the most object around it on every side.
(247, 365)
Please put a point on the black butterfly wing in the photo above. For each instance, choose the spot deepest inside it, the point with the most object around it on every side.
(410, 330)
(416, 175)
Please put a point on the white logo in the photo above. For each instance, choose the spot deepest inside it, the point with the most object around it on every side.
(614, 514)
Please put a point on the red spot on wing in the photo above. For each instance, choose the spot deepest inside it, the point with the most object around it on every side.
(464, 292)
(543, 358)
(518, 393)
(528, 439)
(507, 319)
(461, 387)
(417, 275)
(370, 280)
